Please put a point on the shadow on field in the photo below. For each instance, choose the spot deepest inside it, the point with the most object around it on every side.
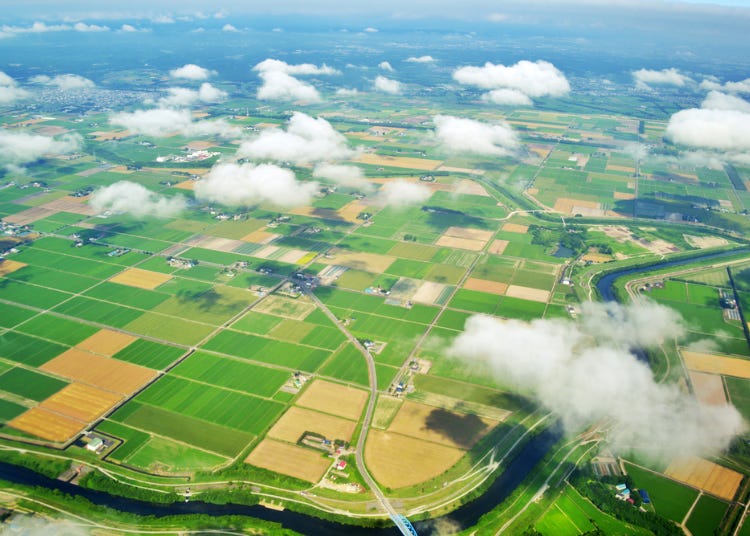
(461, 429)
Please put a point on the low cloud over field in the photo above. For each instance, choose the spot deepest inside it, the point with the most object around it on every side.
(9, 90)
(584, 372)
(247, 184)
(387, 85)
(348, 176)
(160, 122)
(18, 148)
(128, 197)
(532, 79)
(305, 140)
(400, 193)
(721, 124)
(645, 78)
(182, 96)
(459, 135)
(742, 86)
(190, 71)
(280, 84)
(65, 82)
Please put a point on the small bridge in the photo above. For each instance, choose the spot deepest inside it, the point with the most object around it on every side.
(404, 525)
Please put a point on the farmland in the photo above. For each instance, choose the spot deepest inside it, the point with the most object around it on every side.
(255, 344)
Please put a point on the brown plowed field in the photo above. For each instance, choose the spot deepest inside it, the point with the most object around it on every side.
(291, 460)
(334, 398)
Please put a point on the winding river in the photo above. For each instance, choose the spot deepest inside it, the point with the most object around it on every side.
(466, 516)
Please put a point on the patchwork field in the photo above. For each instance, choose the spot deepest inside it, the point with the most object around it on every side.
(708, 388)
(82, 402)
(705, 475)
(8, 266)
(716, 364)
(47, 425)
(291, 460)
(368, 262)
(396, 460)
(483, 285)
(398, 161)
(136, 277)
(106, 342)
(334, 398)
(296, 421)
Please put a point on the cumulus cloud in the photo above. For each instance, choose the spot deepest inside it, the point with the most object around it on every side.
(18, 148)
(645, 78)
(586, 374)
(386, 66)
(37, 27)
(387, 85)
(279, 84)
(497, 17)
(162, 19)
(160, 122)
(63, 81)
(9, 90)
(83, 27)
(743, 86)
(271, 64)
(190, 71)
(370, 29)
(126, 197)
(507, 97)
(716, 100)
(129, 28)
(246, 184)
(305, 140)
(349, 176)
(400, 193)
(533, 79)
(460, 135)
(181, 96)
(421, 59)
(346, 92)
(229, 28)
(722, 129)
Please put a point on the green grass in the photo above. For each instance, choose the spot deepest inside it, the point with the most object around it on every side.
(258, 323)
(245, 413)
(30, 295)
(127, 295)
(57, 329)
(474, 300)
(348, 364)
(109, 314)
(467, 391)
(13, 315)
(10, 410)
(202, 434)
(132, 438)
(214, 306)
(30, 384)
(670, 499)
(447, 274)
(163, 455)
(706, 516)
(409, 268)
(47, 277)
(608, 524)
(176, 330)
(28, 350)
(739, 394)
(149, 354)
(410, 250)
(232, 374)
(521, 309)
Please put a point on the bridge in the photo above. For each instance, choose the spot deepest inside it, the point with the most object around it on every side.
(403, 524)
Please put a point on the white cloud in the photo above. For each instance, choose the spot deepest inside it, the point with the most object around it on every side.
(349, 176)
(129, 28)
(421, 59)
(716, 100)
(246, 184)
(181, 96)
(461, 135)
(497, 17)
(644, 78)
(584, 371)
(37, 27)
(507, 97)
(63, 81)
(160, 122)
(743, 86)
(83, 27)
(400, 193)
(278, 85)
(271, 64)
(724, 130)
(18, 148)
(229, 28)
(305, 140)
(9, 90)
(387, 85)
(190, 71)
(346, 92)
(534, 79)
(162, 19)
(128, 197)
(386, 66)
(370, 29)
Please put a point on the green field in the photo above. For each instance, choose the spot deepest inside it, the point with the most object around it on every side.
(149, 354)
(30, 384)
(670, 499)
(706, 516)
